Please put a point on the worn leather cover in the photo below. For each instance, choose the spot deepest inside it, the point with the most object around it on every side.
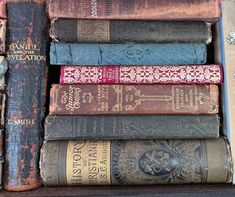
(3, 24)
(135, 9)
(133, 162)
(2, 8)
(26, 91)
(127, 54)
(132, 127)
(120, 31)
(178, 74)
(227, 46)
(3, 69)
(133, 99)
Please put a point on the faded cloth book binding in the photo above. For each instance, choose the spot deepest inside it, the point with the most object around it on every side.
(132, 127)
(227, 39)
(133, 99)
(135, 162)
(135, 9)
(26, 92)
(127, 54)
(3, 24)
(120, 31)
(3, 9)
(180, 74)
(3, 69)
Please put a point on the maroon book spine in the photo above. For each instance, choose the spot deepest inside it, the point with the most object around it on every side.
(181, 74)
(2, 8)
(135, 9)
(133, 99)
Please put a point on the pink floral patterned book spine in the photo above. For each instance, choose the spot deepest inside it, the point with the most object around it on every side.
(181, 74)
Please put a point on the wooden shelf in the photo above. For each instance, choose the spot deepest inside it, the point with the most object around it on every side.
(210, 190)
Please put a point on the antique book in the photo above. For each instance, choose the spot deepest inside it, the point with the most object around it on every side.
(135, 9)
(127, 54)
(3, 24)
(135, 162)
(3, 69)
(2, 8)
(1, 154)
(133, 99)
(178, 74)
(26, 92)
(132, 127)
(2, 108)
(126, 31)
(227, 46)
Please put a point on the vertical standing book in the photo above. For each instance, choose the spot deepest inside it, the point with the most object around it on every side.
(26, 91)
(227, 38)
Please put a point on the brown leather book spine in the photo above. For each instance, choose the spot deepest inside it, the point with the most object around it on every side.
(133, 99)
(135, 162)
(135, 9)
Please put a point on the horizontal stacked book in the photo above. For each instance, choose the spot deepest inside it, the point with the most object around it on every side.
(138, 101)
(3, 69)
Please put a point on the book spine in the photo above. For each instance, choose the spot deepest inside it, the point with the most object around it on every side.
(135, 9)
(1, 154)
(2, 108)
(120, 31)
(132, 127)
(227, 45)
(3, 69)
(26, 92)
(127, 54)
(133, 99)
(135, 162)
(192, 74)
(3, 9)
(2, 35)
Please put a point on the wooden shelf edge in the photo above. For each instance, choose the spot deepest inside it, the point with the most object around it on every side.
(209, 190)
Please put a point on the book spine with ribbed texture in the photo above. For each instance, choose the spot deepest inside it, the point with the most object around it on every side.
(123, 31)
(132, 127)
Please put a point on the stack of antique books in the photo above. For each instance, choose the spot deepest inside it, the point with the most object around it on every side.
(138, 100)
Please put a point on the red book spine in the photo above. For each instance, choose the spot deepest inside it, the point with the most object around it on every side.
(189, 74)
(135, 9)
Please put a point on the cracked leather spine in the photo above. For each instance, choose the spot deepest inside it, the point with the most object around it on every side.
(135, 9)
(26, 92)
(120, 31)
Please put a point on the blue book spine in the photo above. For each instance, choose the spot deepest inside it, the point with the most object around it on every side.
(127, 54)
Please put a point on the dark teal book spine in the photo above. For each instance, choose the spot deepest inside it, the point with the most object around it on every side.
(132, 127)
(127, 54)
